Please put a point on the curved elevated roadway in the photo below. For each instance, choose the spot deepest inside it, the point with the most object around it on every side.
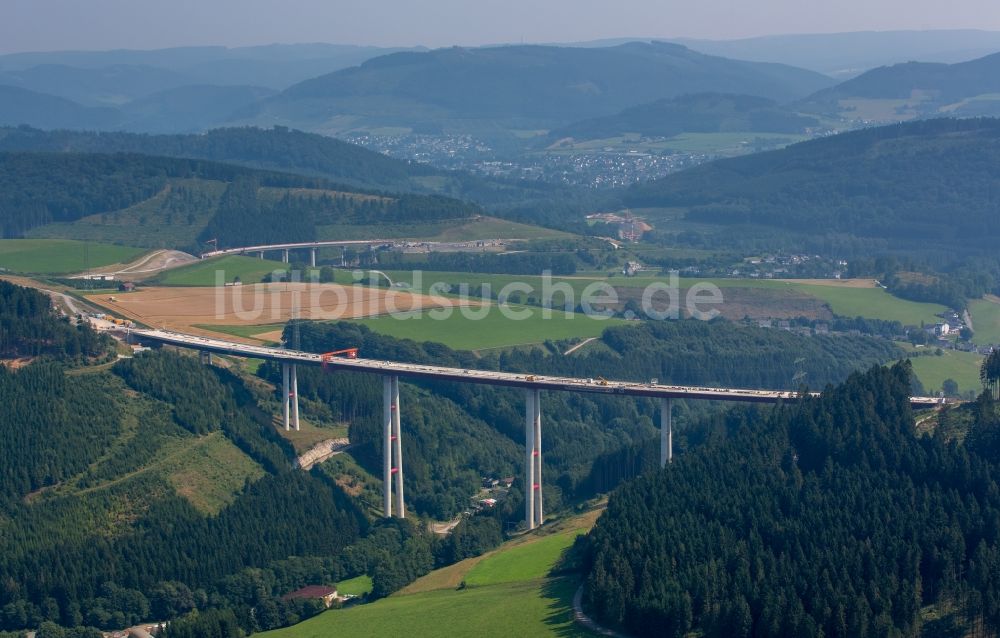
(390, 371)
(298, 245)
(486, 377)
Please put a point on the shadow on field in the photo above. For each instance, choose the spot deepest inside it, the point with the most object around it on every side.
(558, 594)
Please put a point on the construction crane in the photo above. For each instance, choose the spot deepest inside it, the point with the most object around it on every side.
(346, 353)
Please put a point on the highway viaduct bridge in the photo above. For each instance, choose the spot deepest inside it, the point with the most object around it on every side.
(313, 246)
(391, 371)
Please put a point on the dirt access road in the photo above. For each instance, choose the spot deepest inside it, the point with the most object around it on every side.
(146, 266)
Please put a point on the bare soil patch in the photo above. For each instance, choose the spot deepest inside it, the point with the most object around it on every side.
(183, 308)
(834, 283)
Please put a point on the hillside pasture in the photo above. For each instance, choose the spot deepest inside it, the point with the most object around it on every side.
(986, 320)
(61, 256)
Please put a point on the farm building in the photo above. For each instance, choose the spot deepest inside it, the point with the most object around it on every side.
(313, 592)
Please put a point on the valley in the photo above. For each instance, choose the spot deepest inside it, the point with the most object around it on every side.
(638, 336)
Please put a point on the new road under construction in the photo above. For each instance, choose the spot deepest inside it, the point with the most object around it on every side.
(391, 371)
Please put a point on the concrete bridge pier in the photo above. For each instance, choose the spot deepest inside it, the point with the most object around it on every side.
(285, 394)
(392, 448)
(205, 357)
(666, 432)
(533, 510)
(312, 257)
(295, 397)
(260, 254)
(284, 255)
(290, 396)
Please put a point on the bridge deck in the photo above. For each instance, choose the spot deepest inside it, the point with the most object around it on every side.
(486, 377)
(297, 245)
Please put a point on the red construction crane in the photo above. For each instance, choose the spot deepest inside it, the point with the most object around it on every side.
(346, 353)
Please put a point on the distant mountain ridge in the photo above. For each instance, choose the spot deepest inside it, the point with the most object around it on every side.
(180, 109)
(514, 87)
(274, 66)
(699, 113)
(919, 89)
(845, 55)
(24, 106)
(183, 89)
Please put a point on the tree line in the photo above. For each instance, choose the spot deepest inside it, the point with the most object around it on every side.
(827, 517)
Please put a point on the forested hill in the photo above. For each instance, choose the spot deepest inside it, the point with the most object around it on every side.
(519, 87)
(178, 202)
(273, 149)
(30, 327)
(283, 149)
(918, 89)
(921, 186)
(830, 517)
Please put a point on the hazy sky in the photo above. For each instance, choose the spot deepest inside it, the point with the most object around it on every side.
(37, 25)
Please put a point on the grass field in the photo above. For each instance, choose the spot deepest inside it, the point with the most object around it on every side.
(523, 609)
(736, 143)
(873, 303)
(507, 593)
(986, 320)
(61, 256)
(206, 272)
(493, 331)
(357, 586)
(530, 561)
(846, 298)
(252, 331)
(471, 230)
(963, 367)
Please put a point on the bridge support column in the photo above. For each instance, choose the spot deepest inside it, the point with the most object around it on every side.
(666, 432)
(533, 510)
(205, 357)
(397, 446)
(284, 255)
(312, 257)
(285, 394)
(260, 254)
(387, 408)
(392, 449)
(295, 397)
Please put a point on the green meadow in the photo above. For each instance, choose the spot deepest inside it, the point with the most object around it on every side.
(357, 586)
(843, 300)
(61, 256)
(493, 331)
(986, 320)
(529, 561)
(206, 272)
(963, 367)
(506, 593)
(523, 609)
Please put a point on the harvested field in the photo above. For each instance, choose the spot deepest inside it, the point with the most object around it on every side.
(183, 308)
(834, 283)
(738, 303)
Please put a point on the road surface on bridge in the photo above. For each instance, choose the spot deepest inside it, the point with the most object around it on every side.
(484, 377)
